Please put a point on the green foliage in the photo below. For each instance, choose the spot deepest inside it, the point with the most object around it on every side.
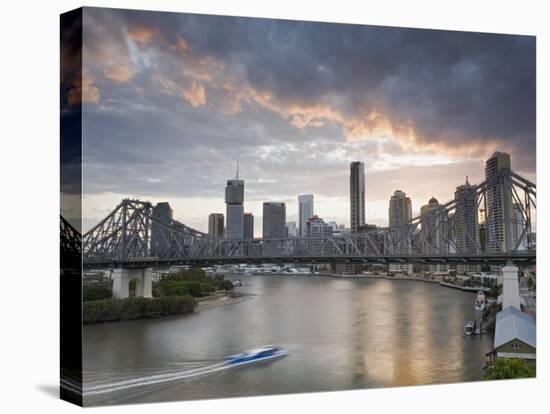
(225, 285)
(116, 309)
(193, 282)
(531, 283)
(96, 293)
(508, 368)
(494, 292)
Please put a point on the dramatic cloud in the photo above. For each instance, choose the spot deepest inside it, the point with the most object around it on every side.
(175, 99)
(141, 33)
(83, 89)
(120, 73)
(195, 94)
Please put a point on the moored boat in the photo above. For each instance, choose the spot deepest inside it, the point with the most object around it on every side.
(470, 327)
(481, 302)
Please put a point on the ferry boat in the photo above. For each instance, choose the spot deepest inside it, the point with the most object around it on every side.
(470, 328)
(480, 301)
(258, 354)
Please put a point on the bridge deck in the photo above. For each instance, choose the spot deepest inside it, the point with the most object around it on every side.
(527, 258)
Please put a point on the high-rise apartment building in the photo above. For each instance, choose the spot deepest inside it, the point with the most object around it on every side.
(317, 229)
(305, 212)
(215, 225)
(499, 205)
(234, 198)
(162, 213)
(466, 225)
(400, 209)
(434, 230)
(274, 220)
(357, 195)
(248, 231)
(400, 214)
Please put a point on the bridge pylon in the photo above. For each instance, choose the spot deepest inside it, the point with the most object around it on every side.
(122, 278)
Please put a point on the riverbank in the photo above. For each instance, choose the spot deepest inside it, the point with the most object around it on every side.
(361, 276)
(472, 289)
(220, 299)
(132, 308)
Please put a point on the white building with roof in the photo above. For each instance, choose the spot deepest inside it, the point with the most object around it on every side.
(515, 335)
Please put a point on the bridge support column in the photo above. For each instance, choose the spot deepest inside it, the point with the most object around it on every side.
(147, 283)
(137, 276)
(510, 287)
(121, 281)
(144, 279)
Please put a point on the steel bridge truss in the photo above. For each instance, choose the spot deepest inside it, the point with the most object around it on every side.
(70, 241)
(504, 204)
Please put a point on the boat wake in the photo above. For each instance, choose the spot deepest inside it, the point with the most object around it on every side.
(153, 379)
(174, 376)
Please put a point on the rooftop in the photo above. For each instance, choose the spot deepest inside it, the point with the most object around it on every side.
(514, 324)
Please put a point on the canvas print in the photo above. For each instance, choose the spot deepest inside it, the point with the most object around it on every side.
(259, 206)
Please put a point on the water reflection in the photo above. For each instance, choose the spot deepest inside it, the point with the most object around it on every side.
(341, 334)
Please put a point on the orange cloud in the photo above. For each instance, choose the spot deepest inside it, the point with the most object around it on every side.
(182, 45)
(119, 73)
(195, 94)
(168, 86)
(141, 33)
(83, 89)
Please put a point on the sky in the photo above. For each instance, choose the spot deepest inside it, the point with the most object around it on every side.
(171, 101)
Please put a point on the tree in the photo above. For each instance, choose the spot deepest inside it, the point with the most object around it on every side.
(508, 368)
(96, 293)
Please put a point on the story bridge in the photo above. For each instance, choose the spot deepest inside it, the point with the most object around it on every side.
(132, 239)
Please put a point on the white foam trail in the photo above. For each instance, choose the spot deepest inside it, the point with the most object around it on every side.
(160, 378)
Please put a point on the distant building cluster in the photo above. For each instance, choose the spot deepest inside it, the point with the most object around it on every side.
(472, 227)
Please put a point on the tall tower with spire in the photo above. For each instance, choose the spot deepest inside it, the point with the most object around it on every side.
(234, 199)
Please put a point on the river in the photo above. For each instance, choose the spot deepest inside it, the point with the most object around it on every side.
(340, 333)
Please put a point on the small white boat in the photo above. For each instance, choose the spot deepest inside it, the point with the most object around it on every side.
(470, 328)
(237, 283)
(481, 302)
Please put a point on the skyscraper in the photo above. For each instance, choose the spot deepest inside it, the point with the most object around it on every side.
(234, 198)
(400, 213)
(215, 225)
(499, 204)
(248, 230)
(357, 195)
(400, 209)
(162, 213)
(305, 212)
(274, 220)
(466, 223)
(318, 229)
(433, 220)
(291, 229)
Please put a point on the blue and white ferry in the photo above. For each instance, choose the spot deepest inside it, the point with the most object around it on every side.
(256, 355)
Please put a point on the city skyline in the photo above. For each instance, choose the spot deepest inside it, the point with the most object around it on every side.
(250, 222)
(184, 108)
